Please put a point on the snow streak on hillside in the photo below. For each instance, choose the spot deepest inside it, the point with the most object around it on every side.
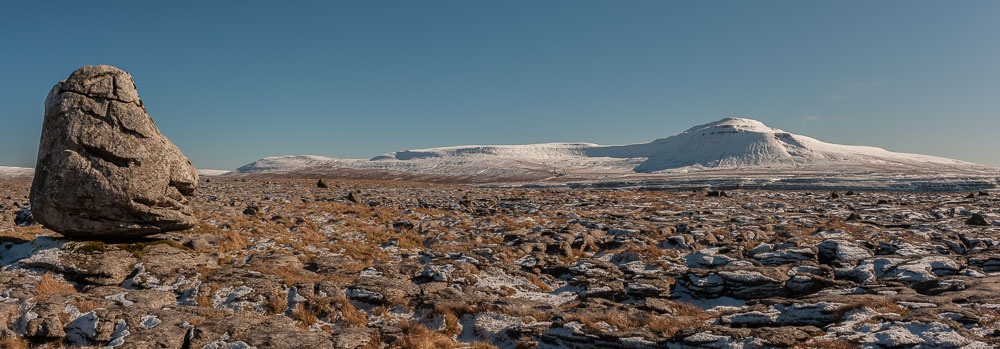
(15, 172)
(732, 146)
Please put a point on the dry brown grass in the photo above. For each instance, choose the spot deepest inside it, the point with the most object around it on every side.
(230, 238)
(351, 316)
(827, 344)
(24, 234)
(877, 304)
(453, 311)
(84, 305)
(49, 286)
(276, 304)
(416, 336)
(305, 316)
(289, 274)
(684, 309)
(14, 342)
(619, 319)
(510, 224)
(668, 325)
(990, 317)
(682, 315)
(196, 321)
(839, 224)
(204, 296)
(650, 252)
(451, 323)
(63, 317)
(542, 286)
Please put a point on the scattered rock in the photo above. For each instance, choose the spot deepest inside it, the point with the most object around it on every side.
(354, 197)
(251, 210)
(23, 217)
(515, 267)
(977, 219)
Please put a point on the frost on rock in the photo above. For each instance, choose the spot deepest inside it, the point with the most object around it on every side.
(21, 325)
(118, 336)
(41, 249)
(438, 272)
(894, 335)
(120, 298)
(235, 298)
(149, 321)
(498, 280)
(224, 343)
(81, 328)
(492, 327)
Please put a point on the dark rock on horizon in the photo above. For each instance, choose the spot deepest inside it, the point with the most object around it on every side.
(977, 219)
(104, 170)
(23, 217)
(251, 210)
(354, 197)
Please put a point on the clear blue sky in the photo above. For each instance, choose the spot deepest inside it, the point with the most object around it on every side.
(231, 82)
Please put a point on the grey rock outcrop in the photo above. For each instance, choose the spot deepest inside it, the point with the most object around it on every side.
(104, 170)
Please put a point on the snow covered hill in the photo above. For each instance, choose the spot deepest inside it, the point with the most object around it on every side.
(23, 172)
(211, 173)
(746, 143)
(728, 147)
(15, 172)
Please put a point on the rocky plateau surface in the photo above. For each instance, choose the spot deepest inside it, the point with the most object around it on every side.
(365, 264)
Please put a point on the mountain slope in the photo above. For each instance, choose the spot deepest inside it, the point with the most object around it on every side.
(746, 143)
(24, 172)
(733, 145)
(16, 172)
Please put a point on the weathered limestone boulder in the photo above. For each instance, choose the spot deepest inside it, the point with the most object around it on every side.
(104, 170)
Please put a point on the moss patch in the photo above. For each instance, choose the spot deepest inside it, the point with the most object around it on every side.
(90, 246)
(137, 247)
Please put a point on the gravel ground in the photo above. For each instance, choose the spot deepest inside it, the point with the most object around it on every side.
(368, 264)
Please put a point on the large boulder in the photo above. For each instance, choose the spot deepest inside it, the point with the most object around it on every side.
(104, 170)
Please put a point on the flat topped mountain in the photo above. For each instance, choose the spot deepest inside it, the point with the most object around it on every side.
(731, 147)
(747, 143)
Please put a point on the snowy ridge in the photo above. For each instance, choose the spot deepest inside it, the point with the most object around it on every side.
(16, 172)
(24, 172)
(731, 145)
(737, 143)
(211, 173)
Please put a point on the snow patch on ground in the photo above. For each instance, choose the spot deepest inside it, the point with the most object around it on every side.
(498, 280)
(42, 248)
